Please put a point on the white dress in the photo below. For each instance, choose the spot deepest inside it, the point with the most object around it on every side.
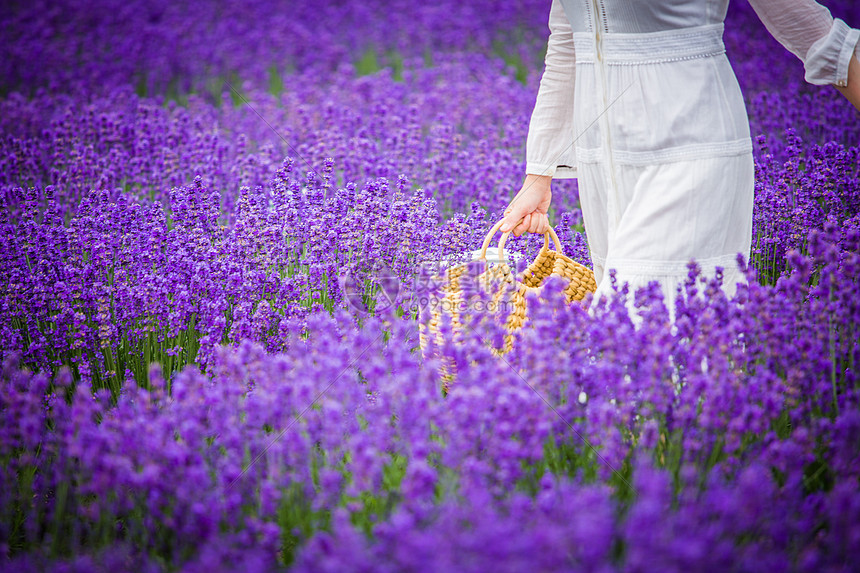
(639, 102)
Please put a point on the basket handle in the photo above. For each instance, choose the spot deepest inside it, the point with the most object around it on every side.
(546, 236)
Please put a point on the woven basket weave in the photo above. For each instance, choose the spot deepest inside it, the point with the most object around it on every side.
(507, 291)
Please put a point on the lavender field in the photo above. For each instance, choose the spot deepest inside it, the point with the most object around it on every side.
(206, 207)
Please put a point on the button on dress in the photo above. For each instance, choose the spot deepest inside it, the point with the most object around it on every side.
(639, 102)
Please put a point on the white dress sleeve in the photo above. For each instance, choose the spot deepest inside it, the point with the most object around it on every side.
(824, 44)
(549, 146)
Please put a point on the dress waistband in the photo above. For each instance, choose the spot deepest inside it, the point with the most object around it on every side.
(652, 47)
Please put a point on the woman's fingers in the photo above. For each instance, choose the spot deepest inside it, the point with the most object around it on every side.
(540, 224)
(513, 214)
(533, 222)
(523, 227)
(527, 212)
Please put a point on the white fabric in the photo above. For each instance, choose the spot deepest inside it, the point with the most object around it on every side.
(549, 142)
(807, 30)
(639, 101)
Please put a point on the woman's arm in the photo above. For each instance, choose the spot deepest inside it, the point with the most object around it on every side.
(551, 127)
(852, 90)
(826, 46)
(549, 146)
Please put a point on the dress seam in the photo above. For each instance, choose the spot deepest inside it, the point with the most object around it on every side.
(689, 152)
(667, 267)
(667, 60)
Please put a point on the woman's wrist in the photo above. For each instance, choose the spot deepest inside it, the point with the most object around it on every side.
(852, 90)
(540, 179)
(537, 182)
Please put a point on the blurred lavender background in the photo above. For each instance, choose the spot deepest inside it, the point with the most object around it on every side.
(185, 387)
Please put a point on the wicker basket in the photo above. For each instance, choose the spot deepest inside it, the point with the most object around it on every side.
(507, 291)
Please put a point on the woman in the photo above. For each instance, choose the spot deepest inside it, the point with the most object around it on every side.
(638, 101)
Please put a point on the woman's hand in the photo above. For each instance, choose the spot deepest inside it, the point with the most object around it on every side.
(529, 207)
